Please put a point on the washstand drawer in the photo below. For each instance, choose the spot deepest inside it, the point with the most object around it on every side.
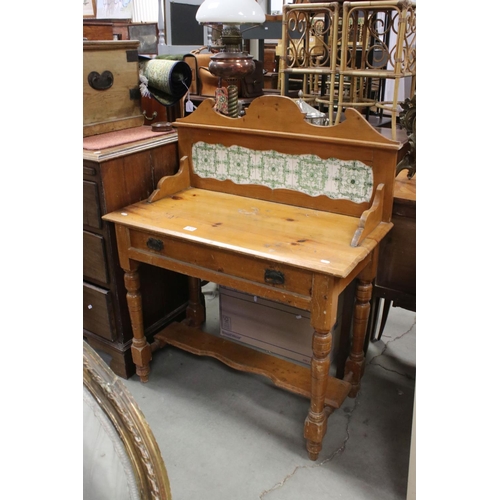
(98, 311)
(222, 261)
(94, 257)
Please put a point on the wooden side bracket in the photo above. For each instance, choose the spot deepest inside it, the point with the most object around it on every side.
(171, 184)
(370, 218)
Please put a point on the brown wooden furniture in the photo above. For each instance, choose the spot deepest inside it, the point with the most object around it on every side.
(230, 218)
(94, 29)
(395, 283)
(107, 29)
(112, 178)
(271, 66)
(111, 96)
(155, 112)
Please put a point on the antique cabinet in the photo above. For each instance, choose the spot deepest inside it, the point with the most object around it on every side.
(395, 285)
(113, 178)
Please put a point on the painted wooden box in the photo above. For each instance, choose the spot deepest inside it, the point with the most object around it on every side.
(111, 96)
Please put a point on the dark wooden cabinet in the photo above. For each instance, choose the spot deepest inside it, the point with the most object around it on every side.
(395, 284)
(155, 112)
(114, 178)
(396, 276)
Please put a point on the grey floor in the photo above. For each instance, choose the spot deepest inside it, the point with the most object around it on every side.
(229, 435)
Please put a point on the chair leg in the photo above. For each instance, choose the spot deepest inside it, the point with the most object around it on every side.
(385, 313)
(372, 325)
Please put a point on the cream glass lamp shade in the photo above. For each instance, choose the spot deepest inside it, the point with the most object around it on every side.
(230, 12)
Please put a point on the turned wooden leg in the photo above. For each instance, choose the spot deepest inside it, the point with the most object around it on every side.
(141, 350)
(195, 312)
(316, 421)
(323, 315)
(355, 363)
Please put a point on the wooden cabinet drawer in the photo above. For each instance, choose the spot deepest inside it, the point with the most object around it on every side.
(91, 209)
(94, 257)
(182, 255)
(98, 311)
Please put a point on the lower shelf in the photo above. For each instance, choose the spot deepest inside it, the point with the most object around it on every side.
(284, 374)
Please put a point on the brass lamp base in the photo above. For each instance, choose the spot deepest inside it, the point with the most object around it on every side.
(231, 64)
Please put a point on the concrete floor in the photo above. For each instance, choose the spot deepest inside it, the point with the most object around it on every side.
(228, 435)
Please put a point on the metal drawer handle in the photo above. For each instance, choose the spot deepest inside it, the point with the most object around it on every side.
(101, 82)
(154, 244)
(155, 114)
(274, 277)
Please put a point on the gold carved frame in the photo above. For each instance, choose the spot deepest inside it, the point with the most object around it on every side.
(126, 417)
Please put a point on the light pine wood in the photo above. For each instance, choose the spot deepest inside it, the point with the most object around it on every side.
(240, 226)
(284, 374)
(171, 185)
(404, 188)
(371, 218)
(277, 244)
(276, 123)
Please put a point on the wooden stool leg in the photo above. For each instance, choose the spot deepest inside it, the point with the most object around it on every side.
(316, 421)
(195, 312)
(141, 350)
(355, 364)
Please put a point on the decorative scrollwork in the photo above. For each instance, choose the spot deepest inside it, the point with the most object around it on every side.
(408, 120)
(370, 30)
(408, 116)
(310, 35)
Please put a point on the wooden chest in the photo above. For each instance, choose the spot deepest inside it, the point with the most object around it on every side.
(94, 29)
(111, 97)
